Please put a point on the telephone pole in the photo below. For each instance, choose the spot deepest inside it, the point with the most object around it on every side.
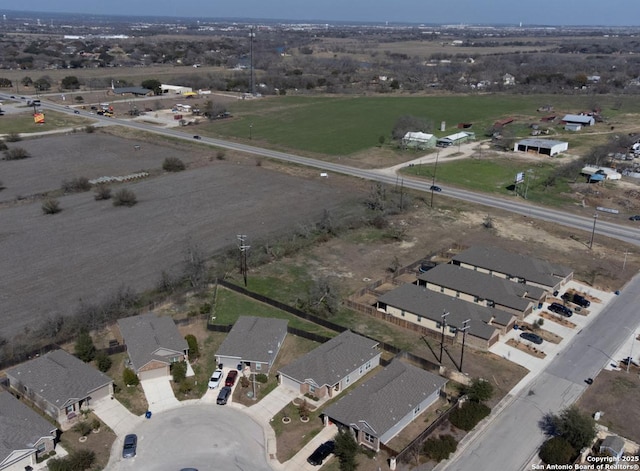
(243, 256)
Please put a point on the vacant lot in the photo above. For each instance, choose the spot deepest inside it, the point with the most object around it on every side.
(91, 248)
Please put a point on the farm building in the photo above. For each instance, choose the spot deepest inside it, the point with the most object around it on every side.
(418, 140)
(572, 127)
(606, 172)
(174, 89)
(541, 146)
(582, 119)
(455, 139)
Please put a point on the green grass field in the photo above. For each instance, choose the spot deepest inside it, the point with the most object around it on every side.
(346, 125)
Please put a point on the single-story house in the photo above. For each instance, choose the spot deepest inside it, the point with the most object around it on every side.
(422, 309)
(607, 172)
(582, 119)
(153, 344)
(514, 266)
(482, 288)
(24, 435)
(613, 446)
(541, 146)
(61, 385)
(455, 139)
(380, 408)
(418, 140)
(254, 342)
(333, 366)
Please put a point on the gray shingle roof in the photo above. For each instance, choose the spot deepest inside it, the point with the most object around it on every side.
(254, 339)
(502, 261)
(59, 377)
(431, 305)
(150, 337)
(506, 293)
(333, 360)
(20, 426)
(381, 402)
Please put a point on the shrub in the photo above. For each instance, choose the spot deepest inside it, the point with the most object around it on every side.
(130, 378)
(103, 361)
(83, 428)
(261, 378)
(179, 371)
(17, 153)
(51, 206)
(173, 164)
(103, 192)
(557, 450)
(13, 137)
(125, 197)
(194, 351)
(468, 415)
(76, 185)
(438, 449)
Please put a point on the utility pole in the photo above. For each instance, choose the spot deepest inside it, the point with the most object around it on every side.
(243, 256)
(252, 84)
(593, 232)
(444, 324)
(433, 182)
(464, 329)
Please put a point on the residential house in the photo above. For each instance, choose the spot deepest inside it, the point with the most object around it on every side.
(483, 288)
(254, 342)
(333, 366)
(153, 344)
(24, 435)
(61, 385)
(613, 446)
(421, 309)
(380, 408)
(514, 266)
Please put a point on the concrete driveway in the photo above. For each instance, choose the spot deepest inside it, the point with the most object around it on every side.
(116, 416)
(159, 394)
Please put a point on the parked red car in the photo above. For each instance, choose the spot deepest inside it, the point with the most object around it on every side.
(231, 378)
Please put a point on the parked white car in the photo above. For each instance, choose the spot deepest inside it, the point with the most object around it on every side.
(216, 377)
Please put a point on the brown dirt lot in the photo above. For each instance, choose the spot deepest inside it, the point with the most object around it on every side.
(91, 248)
(617, 395)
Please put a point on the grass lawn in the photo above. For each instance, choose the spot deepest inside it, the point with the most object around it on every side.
(23, 123)
(346, 125)
(497, 176)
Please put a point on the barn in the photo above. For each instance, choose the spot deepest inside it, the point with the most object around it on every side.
(541, 146)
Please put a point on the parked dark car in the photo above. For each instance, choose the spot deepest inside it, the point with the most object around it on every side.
(435, 188)
(130, 446)
(223, 395)
(531, 337)
(560, 309)
(231, 378)
(576, 299)
(321, 453)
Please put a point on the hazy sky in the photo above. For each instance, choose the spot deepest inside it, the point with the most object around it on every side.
(547, 12)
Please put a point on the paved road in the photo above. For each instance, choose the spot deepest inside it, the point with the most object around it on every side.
(602, 226)
(203, 436)
(512, 439)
